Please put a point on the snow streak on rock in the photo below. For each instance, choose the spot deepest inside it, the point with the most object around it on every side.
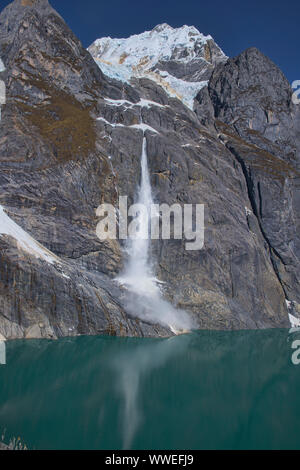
(24, 240)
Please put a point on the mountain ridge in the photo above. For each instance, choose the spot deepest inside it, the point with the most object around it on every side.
(180, 60)
(70, 139)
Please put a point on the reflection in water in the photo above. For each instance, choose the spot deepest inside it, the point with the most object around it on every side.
(2, 353)
(134, 365)
(205, 390)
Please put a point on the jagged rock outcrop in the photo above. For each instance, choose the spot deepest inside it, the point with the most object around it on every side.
(183, 52)
(257, 120)
(69, 141)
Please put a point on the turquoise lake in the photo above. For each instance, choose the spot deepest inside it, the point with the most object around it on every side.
(205, 390)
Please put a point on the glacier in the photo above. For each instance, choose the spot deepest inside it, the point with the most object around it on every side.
(137, 56)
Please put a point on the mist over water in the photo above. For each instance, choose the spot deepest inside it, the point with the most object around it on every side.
(145, 299)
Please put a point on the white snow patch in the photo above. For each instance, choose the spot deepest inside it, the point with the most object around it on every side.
(118, 103)
(288, 304)
(114, 71)
(65, 275)
(148, 103)
(196, 146)
(24, 240)
(248, 211)
(177, 88)
(142, 126)
(295, 322)
(142, 103)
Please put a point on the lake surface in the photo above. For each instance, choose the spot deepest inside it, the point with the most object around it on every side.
(206, 390)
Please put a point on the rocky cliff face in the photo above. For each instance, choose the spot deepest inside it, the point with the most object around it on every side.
(69, 141)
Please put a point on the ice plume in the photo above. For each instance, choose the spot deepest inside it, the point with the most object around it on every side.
(145, 298)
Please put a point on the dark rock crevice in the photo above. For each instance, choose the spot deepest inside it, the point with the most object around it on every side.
(257, 211)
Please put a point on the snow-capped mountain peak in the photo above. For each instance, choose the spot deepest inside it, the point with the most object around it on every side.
(161, 43)
(191, 54)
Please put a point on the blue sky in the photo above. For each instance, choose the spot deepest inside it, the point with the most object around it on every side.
(271, 26)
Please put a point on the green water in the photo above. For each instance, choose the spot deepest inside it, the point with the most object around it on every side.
(207, 390)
